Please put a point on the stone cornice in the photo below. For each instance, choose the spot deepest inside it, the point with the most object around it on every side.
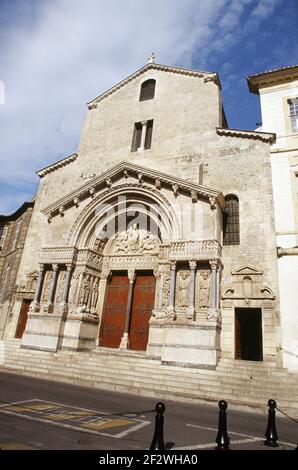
(104, 181)
(208, 76)
(263, 136)
(272, 77)
(49, 169)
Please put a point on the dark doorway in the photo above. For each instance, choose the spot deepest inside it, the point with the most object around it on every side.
(113, 322)
(142, 306)
(248, 334)
(23, 318)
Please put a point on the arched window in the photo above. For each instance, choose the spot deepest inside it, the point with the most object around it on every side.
(231, 229)
(147, 90)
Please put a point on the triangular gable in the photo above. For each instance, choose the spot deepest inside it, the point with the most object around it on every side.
(99, 183)
(208, 76)
(247, 271)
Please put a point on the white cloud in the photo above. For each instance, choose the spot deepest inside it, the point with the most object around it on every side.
(56, 55)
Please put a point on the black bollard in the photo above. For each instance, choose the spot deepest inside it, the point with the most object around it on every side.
(271, 433)
(222, 438)
(157, 441)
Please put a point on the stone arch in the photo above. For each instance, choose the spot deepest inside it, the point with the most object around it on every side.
(114, 203)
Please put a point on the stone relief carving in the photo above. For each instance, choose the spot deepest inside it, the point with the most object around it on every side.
(85, 291)
(60, 288)
(73, 287)
(204, 294)
(88, 296)
(165, 291)
(135, 241)
(94, 294)
(183, 284)
(47, 286)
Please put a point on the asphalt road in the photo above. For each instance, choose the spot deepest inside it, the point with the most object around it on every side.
(40, 414)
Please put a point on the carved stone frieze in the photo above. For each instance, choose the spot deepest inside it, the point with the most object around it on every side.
(194, 250)
(58, 254)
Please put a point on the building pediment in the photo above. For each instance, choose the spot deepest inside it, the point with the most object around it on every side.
(207, 76)
(122, 171)
(247, 270)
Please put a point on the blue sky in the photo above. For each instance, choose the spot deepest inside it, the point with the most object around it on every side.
(56, 55)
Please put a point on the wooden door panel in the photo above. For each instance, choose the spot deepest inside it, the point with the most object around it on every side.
(142, 306)
(115, 311)
(23, 318)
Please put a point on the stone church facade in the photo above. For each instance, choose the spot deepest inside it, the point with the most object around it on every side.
(158, 234)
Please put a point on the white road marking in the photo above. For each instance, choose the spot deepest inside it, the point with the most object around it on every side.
(213, 444)
(290, 444)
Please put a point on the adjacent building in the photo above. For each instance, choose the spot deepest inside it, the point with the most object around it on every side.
(278, 90)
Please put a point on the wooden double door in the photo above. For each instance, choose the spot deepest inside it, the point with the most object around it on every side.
(116, 310)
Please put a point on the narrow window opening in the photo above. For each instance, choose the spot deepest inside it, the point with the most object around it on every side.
(231, 229)
(147, 90)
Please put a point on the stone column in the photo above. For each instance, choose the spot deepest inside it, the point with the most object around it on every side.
(125, 338)
(213, 312)
(67, 284)
(191, 290)
(35, 306)
(143, 135)
(53, 287)
(171, 304)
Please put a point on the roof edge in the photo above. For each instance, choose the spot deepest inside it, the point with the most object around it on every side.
(210, 76)
(263, 136)
(270, 77)
(59, 164)
(18, 212)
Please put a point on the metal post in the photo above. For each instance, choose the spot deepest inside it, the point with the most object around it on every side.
(271, 433)
(158, 439)
(222, 438)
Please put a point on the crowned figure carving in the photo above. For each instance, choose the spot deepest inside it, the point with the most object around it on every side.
(135, 241)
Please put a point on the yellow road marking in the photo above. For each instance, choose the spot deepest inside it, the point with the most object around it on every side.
(15, 408)
(14, 446)
(58, 417)
(108, 424)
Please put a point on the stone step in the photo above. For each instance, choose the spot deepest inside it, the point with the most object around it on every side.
(120, 368)
(141, 381)
(252, 400)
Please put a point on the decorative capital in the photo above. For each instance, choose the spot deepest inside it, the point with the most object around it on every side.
(55, 267)
(41, 267)
(173, 266)
(69, 266)
(193, 265)
(213, 263)
(109, 182)
(91, 191)
(61, 210)
(131, 275)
